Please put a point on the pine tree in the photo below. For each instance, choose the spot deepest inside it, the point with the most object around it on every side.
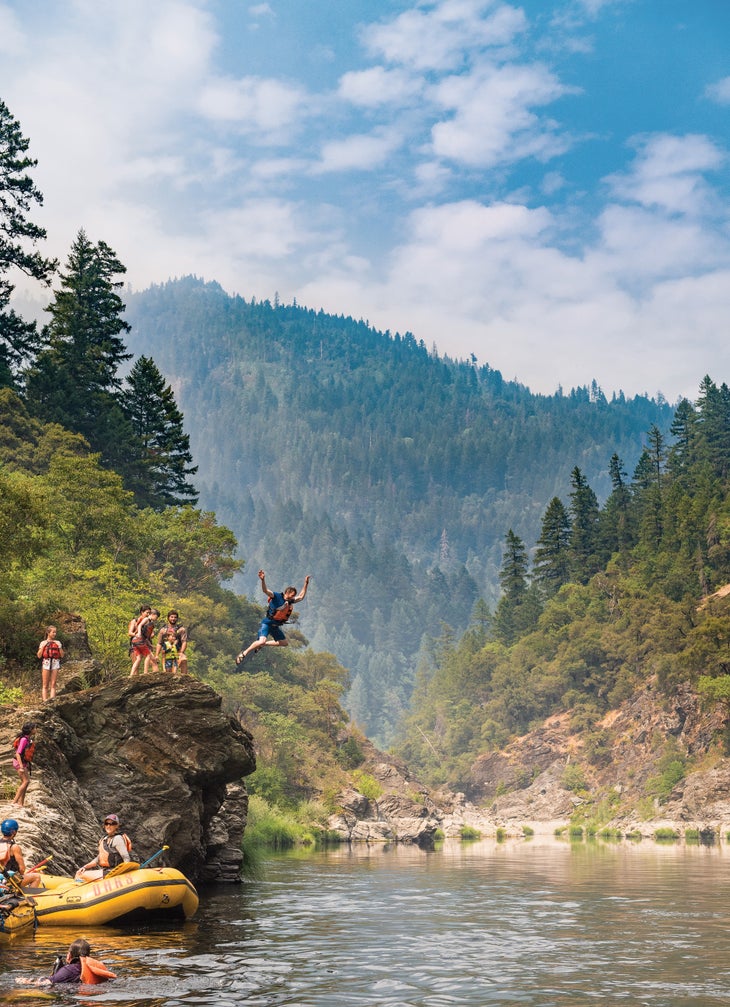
(584, 518)
(162, 446)
(552, 557)
(18, 236)
(75, 379)
(512, 615)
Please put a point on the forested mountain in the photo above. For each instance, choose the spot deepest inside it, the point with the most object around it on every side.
(634, 592)
(388, 473)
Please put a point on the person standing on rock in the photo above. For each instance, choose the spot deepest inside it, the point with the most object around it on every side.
(181, 640)
(50, 653)
(280, 607)
(142, 642)
(114, 849)
(23, 760)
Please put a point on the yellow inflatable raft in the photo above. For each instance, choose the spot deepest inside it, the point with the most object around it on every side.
(16, 915)
(130, 892)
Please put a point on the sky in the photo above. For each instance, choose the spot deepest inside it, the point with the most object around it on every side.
(542, 186)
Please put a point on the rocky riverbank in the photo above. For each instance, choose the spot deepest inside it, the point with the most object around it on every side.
(157, 750)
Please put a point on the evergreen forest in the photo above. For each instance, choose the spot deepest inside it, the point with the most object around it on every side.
(387, 472)
(481, 557)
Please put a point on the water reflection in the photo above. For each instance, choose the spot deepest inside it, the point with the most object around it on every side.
(539, 923)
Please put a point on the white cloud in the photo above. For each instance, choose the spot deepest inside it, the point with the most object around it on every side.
(668, 173)
(437, 36)
(255, 105)
(719, 91)
(379, 86)
(358, 153)
(492, 120)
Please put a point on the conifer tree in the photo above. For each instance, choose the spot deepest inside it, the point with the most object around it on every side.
(161, 444)
(18, 236)
(584, 517)
(552, 557)
(75, 379)
(512, 615)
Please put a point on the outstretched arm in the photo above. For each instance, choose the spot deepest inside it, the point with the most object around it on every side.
(264, 588)
(303, 592)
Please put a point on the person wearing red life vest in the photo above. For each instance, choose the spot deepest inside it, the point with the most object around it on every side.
(280, 607)
(23, 760)
(50, 653)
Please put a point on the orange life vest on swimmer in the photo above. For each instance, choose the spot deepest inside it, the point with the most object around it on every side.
(109, 855)
(93, 971)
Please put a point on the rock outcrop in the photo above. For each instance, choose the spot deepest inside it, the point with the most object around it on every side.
(157, 750)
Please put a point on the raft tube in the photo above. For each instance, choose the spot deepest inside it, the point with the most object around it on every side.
(16, 915)
(158, 891)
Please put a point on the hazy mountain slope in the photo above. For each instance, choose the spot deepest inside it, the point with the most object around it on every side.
(389, 474)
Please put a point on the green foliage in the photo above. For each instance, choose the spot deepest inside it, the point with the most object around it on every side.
(396, 473)
(672, 769)
(367, 785)
(666, 835)
(527, 831)
(692, 836)
(468, 834)
(10, 695)
(269, 827)
(20, 235)
(573, 777)
(500, 835)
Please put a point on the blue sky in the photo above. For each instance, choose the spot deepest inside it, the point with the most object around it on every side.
(541, 184)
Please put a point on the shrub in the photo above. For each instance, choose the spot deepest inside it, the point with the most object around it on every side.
(610, 834)
(666, 835)
(9, 695)
(268, 826)
(501, 835)
(367, 785)
(468, 833)
(527, 831)
(573, 778)
(692, 835)
(576, 832)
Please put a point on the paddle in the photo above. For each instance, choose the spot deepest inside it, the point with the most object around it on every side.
(40, 864)
(154, 857)
(130, 865)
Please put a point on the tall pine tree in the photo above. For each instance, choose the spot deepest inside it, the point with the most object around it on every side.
(161, 444)
(18, 238)
(75, 379)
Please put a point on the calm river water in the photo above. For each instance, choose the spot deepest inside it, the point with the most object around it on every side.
(536, 922)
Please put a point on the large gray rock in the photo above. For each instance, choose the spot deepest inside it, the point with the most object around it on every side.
(158, 751)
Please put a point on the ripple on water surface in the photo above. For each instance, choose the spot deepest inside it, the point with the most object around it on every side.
(538, 923)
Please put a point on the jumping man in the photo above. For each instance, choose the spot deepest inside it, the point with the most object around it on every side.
(281, 605)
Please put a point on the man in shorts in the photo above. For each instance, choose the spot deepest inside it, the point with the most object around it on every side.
(280, 607)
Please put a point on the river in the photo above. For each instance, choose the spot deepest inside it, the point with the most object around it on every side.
(529, 922)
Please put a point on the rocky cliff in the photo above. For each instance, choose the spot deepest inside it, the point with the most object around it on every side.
(548, 776)
(157, 750)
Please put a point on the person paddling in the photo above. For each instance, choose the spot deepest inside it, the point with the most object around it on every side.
(279, 610)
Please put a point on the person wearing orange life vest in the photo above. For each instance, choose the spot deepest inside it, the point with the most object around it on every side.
(114, 849)
(50, 653)
(280, 607)
(11, 855)
(23, 760)
(79, 967)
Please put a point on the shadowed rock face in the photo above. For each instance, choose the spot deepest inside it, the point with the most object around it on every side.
(158, 751)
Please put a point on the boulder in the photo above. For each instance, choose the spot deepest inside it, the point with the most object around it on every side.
(157, 750)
